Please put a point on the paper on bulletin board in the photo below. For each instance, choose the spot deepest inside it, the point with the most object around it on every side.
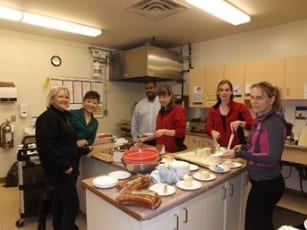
(78, 87)
(210, 100)
(237, 92)
(197, 94)
(248, 88)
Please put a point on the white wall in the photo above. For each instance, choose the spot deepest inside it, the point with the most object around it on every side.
(278, 42)
(25, 60)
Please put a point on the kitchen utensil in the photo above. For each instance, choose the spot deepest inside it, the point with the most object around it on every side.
(199, 176)
(142, 168)
(104, 181)
(138, 155)
(195, 185)
(163, 189)
(230, 141)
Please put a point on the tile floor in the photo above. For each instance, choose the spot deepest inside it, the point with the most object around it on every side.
(9, 212)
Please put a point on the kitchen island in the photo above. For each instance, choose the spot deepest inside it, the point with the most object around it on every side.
(217, 204)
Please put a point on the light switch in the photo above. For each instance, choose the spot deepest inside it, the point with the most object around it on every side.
(23, 110)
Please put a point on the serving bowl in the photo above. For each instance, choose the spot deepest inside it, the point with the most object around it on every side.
(142, 168)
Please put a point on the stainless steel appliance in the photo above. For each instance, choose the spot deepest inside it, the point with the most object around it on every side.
(197, 126)
(145, 62)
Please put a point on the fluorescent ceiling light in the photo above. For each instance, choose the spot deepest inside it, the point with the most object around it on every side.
(223, 10)
(57, 24)
(10, 14)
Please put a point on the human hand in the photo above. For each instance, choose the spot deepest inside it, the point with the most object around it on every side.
(69, 171)
(82, 143)
(160, 132)
(235, 125)
(215, 135)
(230, 154)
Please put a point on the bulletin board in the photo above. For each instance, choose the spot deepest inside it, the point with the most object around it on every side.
(78, 87)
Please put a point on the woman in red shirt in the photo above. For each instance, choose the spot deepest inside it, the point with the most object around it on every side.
(227, 117)
(170, 123)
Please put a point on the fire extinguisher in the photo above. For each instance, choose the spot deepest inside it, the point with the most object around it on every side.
(7, 135)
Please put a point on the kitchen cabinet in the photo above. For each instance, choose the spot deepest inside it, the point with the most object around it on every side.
(224, 206)
(203, 83)
(272, 71)
(218, 208)
(195, 142)
(295, 77)
(235, 73)
(186, 216)
(197, 87)
(213, 75)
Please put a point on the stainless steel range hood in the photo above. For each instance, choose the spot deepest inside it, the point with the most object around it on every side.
(145, 62)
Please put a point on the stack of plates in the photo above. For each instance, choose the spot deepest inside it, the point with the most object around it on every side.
(104, 181)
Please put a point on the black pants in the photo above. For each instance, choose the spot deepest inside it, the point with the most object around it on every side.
(261, 201)
(66, 203)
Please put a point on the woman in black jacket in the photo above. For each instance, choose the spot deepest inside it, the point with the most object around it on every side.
(56, 144)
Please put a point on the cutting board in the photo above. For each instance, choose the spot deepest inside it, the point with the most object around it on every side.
(195, 159)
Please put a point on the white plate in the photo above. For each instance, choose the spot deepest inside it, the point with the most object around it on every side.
(120, 174)
(159, 189)
(220, 168)
(195, 185)
(193, 167)
(235, 165)
(104, 181)
(196, 175)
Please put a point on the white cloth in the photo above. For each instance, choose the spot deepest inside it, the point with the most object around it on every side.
(144, 117)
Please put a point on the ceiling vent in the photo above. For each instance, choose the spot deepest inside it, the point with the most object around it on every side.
(156, 9)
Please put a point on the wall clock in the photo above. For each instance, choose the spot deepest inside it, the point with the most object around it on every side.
(56, 60)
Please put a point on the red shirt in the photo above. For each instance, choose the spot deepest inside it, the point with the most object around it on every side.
(172, 118)
(214, 121)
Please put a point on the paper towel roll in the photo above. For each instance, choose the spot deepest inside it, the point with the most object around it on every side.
(303, 137)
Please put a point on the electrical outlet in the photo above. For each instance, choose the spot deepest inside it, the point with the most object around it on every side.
(13, 118)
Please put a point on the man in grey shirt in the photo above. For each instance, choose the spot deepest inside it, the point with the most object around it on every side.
(145, 113)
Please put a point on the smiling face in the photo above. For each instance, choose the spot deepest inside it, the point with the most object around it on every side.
(165, 100)
(150, 90)
(224, 92)
(90, 105)
(61, 100)
(260, 101)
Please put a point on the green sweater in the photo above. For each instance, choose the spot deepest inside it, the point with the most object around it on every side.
(83, 130)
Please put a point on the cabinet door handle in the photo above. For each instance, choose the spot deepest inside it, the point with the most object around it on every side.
(177, 222)
(231, 190)
(186, 212)
(224, 193)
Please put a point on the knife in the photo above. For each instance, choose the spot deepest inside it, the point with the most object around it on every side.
(230, 141)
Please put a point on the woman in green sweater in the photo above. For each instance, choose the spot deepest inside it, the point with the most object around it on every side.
(83, 120)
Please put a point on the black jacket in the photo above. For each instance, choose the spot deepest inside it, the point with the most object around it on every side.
(56, 143)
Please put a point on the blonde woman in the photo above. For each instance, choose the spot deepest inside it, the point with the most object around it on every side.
(56, 144)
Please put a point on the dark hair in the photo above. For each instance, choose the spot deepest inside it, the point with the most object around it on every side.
(166, 90)
(150, 82)
(271, 91)
(223, 82)
(91, 95)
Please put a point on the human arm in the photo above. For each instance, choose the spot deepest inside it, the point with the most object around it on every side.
(271, 143)
(210, 125)
(134, 125)
(49, 135)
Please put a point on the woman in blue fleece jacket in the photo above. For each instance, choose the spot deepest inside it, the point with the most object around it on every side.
(263, 156)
